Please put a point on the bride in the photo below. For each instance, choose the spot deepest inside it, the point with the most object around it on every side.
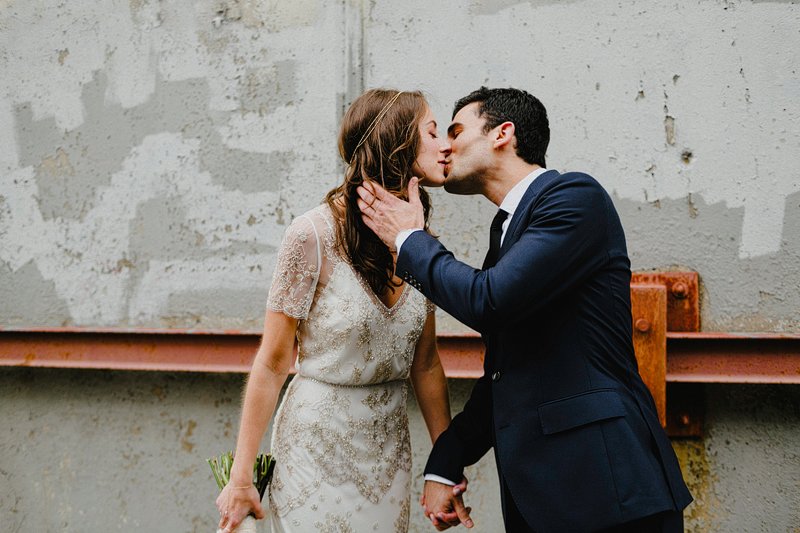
(340, 435)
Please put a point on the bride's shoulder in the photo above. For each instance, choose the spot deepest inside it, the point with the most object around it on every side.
(317, 222)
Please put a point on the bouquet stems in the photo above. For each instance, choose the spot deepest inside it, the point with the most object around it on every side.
(262, 473)
(262, 470)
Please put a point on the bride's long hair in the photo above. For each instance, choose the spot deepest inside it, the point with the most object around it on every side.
(379, 140)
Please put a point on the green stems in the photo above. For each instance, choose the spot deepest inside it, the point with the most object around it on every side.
(262, 470)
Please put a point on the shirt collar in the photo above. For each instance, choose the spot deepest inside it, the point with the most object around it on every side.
(512, 199)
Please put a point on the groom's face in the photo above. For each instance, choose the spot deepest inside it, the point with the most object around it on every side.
(469, 154)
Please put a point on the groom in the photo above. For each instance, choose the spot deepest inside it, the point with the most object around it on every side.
(575, 433)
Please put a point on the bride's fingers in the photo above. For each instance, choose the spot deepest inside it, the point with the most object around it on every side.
(258, 511)
(461, 488)
(232, 521)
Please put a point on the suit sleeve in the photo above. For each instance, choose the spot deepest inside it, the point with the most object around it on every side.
(468, 437)
(562, 243)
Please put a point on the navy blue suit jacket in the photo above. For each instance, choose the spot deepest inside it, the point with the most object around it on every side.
(574, 429)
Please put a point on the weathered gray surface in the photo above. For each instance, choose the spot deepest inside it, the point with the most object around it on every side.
(745, 472)
(153, 153)
(125, 451)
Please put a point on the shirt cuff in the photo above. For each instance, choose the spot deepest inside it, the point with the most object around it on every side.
(439, 479)
(402, 236)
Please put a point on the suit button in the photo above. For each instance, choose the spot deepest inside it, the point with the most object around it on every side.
(496, 376)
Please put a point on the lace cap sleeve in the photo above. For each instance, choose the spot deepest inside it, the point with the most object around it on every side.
(296, 271)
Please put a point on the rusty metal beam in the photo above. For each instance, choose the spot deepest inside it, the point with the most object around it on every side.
(178, 350)
(129, 349)
(733, 358)
(461, 355)
(691, 357)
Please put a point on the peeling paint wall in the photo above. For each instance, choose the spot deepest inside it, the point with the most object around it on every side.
(153, 153)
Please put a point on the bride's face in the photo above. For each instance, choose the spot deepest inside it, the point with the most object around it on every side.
(429, 166)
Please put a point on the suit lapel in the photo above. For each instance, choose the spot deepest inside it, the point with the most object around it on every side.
(516, 225)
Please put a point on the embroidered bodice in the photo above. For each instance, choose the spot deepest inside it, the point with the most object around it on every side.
(346, 335)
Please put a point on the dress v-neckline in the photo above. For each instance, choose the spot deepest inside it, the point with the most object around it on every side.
(385, 309)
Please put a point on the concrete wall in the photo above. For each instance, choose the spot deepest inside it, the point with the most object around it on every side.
(153, 153)
(96, 451)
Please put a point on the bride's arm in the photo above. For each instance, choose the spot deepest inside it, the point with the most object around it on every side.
(429, 382)
(267, 376)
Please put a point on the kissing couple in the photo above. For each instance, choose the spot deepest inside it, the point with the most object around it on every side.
(575, 434)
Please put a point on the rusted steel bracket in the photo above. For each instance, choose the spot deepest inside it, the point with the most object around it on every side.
(663, 302)
(683, 297)
(649, 312)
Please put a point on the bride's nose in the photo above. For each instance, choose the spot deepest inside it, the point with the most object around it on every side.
(444, 147)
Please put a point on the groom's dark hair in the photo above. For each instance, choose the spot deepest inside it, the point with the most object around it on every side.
(520, 107)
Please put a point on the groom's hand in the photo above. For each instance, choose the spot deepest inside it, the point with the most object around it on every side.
(444, 505)
(387, 215)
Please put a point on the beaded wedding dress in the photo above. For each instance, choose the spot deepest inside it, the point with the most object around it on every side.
(340, 436)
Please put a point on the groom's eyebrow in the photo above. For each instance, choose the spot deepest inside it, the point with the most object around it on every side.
(452, 127)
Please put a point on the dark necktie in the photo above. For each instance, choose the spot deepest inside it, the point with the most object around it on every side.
(495, 232)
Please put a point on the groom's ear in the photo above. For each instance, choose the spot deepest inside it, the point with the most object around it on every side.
(504, 133)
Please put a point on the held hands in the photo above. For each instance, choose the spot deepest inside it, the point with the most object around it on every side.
(387, 215)
(235, 503)
(444, 505)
